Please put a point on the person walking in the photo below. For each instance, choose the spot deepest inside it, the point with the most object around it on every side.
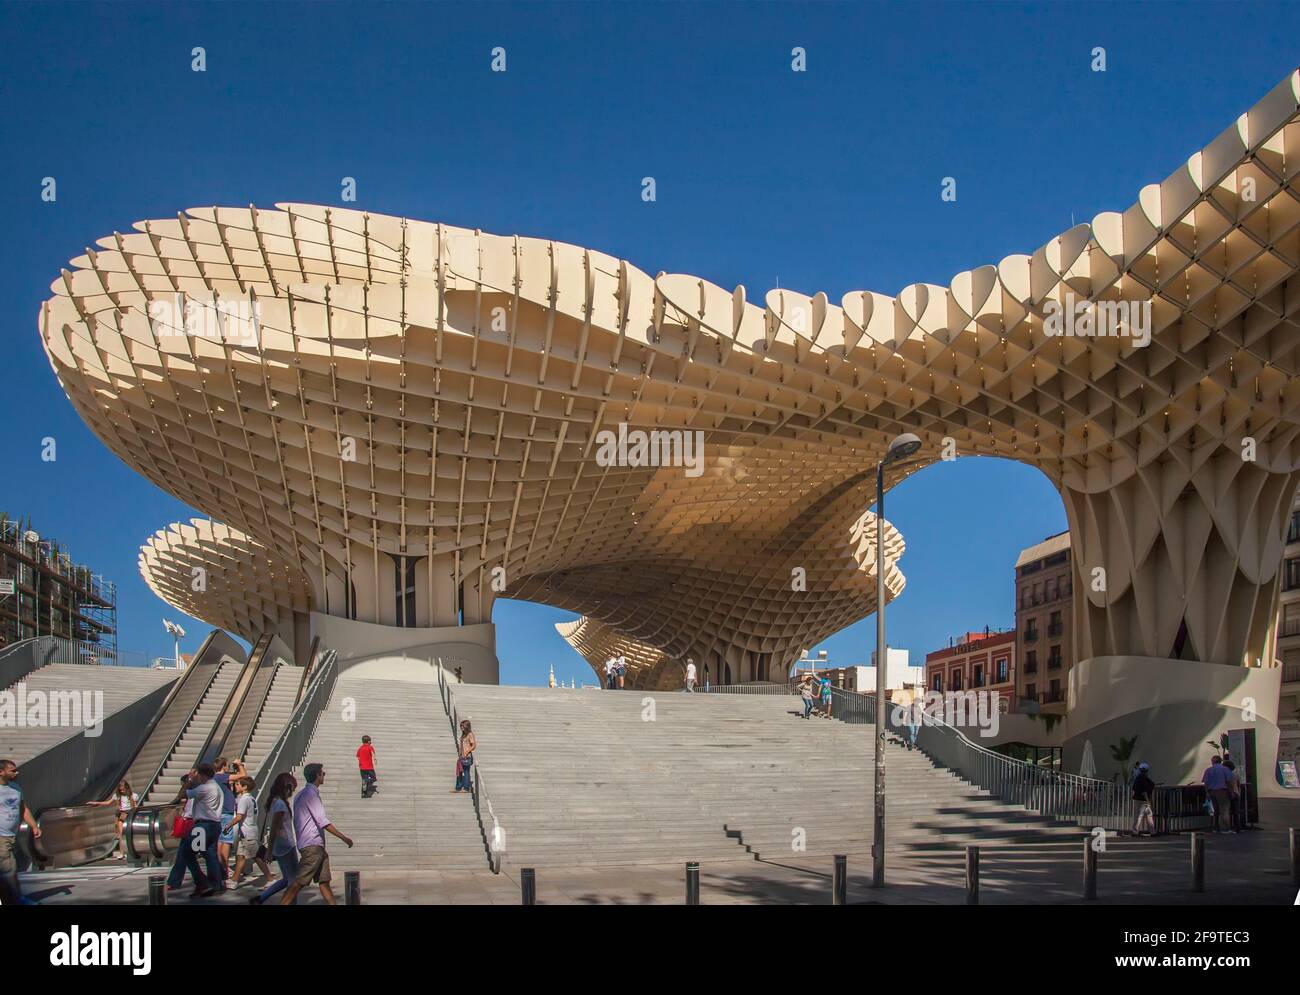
(690, 676)
(247, 845)
(1144, 793)
(826, 697)
(609, 672)
(127, 802)
(13, 811)
(806, 693)
(912, 714)
(281, 841)
(620, 669)
(465, 757)
(226, 842)
(366, 761)
(1238, 797)
(310, 824)
(1218, 780)
(202, 838)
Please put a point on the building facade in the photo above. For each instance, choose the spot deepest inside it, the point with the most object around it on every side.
(977, 661)
(1044, 624)
(1288, 643)
(53, 595)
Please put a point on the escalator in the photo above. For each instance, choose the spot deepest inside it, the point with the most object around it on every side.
(223, 705)
(171, 745)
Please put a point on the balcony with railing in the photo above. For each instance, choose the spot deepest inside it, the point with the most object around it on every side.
(1055, 629)
(1031, 635)
(1290, 672)
(1053, 663)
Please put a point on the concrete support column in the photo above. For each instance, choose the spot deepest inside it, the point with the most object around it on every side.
(1179, 559)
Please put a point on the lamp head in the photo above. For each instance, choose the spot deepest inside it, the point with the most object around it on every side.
(902, 447)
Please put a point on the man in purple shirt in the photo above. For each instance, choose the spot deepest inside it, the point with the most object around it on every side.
(1218, 783)
(310, 824)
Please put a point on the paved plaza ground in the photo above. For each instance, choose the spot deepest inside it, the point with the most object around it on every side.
(1249, 868)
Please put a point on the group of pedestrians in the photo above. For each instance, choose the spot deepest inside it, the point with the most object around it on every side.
(1225, 796)
(814, 691)
(1223, 785)
(615, 672)
(219, 818)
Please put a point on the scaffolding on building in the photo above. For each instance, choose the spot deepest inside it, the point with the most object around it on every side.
(53, 595)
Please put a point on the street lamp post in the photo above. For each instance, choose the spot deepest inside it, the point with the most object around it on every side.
(899, 450)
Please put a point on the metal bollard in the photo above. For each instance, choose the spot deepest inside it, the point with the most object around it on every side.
(158, 889)
(840, 887)
(692, 883)
(351, 887)
(1089, 870)
(1295, 858)
(528, 885)
(972, 875)
(1198, 862)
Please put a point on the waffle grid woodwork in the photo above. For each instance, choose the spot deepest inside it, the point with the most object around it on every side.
(472, 373)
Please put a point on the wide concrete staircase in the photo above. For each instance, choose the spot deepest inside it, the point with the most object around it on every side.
(274, 716)
(185, 755)
(580, 777)
(414, 821)
(120, 687)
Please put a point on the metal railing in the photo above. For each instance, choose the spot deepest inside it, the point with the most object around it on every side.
(494, 840)
(755, 688)
(1087, 801)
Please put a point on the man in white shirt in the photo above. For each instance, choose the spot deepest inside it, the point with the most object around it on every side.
(609, 673)
(690, 676)
(207, 797)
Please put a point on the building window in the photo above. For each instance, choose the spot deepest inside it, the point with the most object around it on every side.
(1291, 620)
(1031, 631)
(1054, 626)
(1031, 662)
(1293, 530)
(405, 586)
(1031, 690)
(1292, 578)
(1002, 669)
(956, 680)
(1054, 658)
(937, 681)
(979, 676)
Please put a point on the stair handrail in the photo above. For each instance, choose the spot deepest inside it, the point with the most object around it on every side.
(492, 843)
(291, 746)
(1052, 793)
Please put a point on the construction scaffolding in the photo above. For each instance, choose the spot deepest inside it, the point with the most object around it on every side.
(43, 592)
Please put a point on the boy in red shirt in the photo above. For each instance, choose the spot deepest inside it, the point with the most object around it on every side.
(366, 761)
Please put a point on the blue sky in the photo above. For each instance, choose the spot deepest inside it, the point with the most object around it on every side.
(827, 179)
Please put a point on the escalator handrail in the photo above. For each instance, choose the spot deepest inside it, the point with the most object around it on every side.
(143, 792)
(217, 735)
(125, 767)
(292, 743)
(239, 750)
